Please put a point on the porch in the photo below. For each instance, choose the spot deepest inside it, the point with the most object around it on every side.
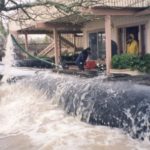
(104, 15)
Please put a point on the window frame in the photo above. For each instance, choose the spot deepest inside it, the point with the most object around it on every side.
(141, 35)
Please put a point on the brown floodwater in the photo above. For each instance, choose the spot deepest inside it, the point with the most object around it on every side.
(29, 121)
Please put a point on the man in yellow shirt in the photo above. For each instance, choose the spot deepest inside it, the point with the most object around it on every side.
(132, 45)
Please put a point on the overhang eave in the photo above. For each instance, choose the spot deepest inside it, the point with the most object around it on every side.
(144, 12)
(113, 11)
(47, 28)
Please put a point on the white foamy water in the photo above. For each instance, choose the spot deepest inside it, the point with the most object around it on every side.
(29, 121)
(9, 59)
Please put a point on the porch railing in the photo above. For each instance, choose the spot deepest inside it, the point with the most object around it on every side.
(49, 48)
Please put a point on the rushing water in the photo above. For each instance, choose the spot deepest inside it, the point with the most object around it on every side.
(9, 59)
(43, 111)
(33, 119)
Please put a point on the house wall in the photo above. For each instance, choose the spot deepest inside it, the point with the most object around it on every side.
(117, 22)
(97, 26)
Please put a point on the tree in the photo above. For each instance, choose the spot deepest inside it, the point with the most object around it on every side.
(24, 6)
(63, 6)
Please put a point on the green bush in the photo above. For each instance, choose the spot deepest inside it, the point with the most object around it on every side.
(133, 62)
(123, 61)
(144, 65)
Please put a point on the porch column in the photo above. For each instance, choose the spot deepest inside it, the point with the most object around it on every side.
(74, 42)
(108, 43)
(59, 46)
(26, 42)
(56, 47)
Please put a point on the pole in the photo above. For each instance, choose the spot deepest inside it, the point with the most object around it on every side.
(108, 43)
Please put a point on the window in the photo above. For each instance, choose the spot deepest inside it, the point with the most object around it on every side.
(97, 45)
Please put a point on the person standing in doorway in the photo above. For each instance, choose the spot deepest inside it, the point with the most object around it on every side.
(132, 45)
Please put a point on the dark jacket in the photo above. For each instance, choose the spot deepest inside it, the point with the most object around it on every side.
(81, 59)
(114, 48)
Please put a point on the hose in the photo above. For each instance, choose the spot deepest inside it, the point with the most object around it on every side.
(37, 58)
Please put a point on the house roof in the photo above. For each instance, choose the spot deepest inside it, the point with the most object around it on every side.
(67, 24)
(74, 22)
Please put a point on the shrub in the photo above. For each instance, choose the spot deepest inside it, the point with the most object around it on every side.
(144, 65)
(123, 61)
(133, 62)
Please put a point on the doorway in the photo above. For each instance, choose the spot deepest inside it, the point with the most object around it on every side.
(139, 35)
(133, 30)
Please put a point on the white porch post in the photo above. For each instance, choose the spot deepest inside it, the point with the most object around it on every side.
(108, 43)
(56, 47)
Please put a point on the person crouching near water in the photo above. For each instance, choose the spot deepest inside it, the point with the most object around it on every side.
(132, 45)
(81, 59)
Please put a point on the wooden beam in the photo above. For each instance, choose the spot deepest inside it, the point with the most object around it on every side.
(108, 43)
(67, 42)
(26, 42)
(59, 44)
(59, 26)
(74, 41)
(48, 31)
(56, 47)
(110, 11)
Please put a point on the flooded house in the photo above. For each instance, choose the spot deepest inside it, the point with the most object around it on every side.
(45, 110)
(96, 26)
